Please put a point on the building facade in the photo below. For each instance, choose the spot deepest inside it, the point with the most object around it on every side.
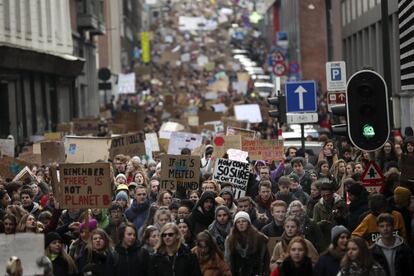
(37, 69)
(362, 47)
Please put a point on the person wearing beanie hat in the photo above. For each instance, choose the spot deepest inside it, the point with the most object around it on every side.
(402, 200)
(242, 215)
(92, 224)
(402, 196)
(62, 263)
(221, 225)
(122, 198)
(329, 263)
(246, 248)
(52, 236)
(120, 179)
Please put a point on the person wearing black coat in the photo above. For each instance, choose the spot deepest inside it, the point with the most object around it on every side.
(203, 212)
(132, 259)
(63, 264)
(172, 257)
(329, 262)
(358, 206)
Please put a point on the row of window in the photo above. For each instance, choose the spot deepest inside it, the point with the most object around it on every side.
(352, 9)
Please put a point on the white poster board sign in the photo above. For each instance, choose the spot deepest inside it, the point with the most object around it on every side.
(248, 112)
(234, 172)
(152, 137)
(28, 247)
(126, 83)
(7, 147)
(181, 140)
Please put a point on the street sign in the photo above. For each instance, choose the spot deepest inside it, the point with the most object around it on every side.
(300, 96)
(279, 68)
(335, 76)
(372, 174)
(335, 98)
(302, 118)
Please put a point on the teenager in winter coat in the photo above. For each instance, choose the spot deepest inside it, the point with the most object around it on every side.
(203, 213)
(246, 248)
(221, 226)
(139, 209)
(172, 257)
(209, 256)
(132, 260)
(329, 262)
(63, 264)
(297, 263)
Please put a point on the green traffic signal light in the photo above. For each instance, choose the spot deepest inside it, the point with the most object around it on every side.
(368, 131)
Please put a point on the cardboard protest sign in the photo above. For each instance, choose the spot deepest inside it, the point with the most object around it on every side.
(85, 126)
(134, 121)
(28, 247)
(53, 136)
(7, 147)
(219, 86)
(117, 128)
(24, 174)
(163, 143)
(245, 133)
(81, 149)
(263, 149)
(181, 140)
(231, 121)
(128, 144)
(243, 76)
(30, 157)
(64, 127)
(234, 172)
(208, 116)
(180, 170)
(193, 120)
(52, 152)
(218, 126)
(248, 112)
(222, 143)
(84, 185)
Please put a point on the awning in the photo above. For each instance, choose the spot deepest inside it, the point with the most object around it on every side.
(32, 60)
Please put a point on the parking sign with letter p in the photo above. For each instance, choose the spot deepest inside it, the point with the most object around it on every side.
(336, 76)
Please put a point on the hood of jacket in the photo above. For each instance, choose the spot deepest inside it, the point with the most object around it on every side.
(398, 241)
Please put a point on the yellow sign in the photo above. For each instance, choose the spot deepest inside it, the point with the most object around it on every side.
(145, 46)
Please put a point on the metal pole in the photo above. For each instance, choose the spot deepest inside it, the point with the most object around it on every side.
(387, 57)
(302, 135)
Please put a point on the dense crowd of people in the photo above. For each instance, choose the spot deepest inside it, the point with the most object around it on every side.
(297, 218)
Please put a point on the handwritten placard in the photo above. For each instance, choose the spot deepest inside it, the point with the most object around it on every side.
(180, 170)
(128, 144)
(234, 172)
(223, 143)
(84, 185)
(263, 149)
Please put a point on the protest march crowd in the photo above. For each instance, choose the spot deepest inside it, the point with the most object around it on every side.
(198, 199)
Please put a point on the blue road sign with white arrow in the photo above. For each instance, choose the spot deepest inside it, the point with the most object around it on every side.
(300, 96)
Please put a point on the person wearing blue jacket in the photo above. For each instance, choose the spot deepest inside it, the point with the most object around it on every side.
(139, 209)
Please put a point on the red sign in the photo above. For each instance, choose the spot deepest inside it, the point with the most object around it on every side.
(336, 98)
(372, 174)
(279, 68)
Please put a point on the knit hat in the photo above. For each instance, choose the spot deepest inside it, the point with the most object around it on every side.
(336, 231)
(132, 185)
(122, 187)
(122, 195)
(226, 190)
(356, 189)
(121, 175)
(402, 196)
(242, 215)
(52, 236)
(293, 176)
(92, 225)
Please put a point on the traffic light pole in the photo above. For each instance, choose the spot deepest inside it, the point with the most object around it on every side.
(387, 58)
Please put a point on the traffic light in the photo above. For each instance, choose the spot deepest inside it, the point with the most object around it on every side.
(280, 111)
(339, 129)
(367, 110)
